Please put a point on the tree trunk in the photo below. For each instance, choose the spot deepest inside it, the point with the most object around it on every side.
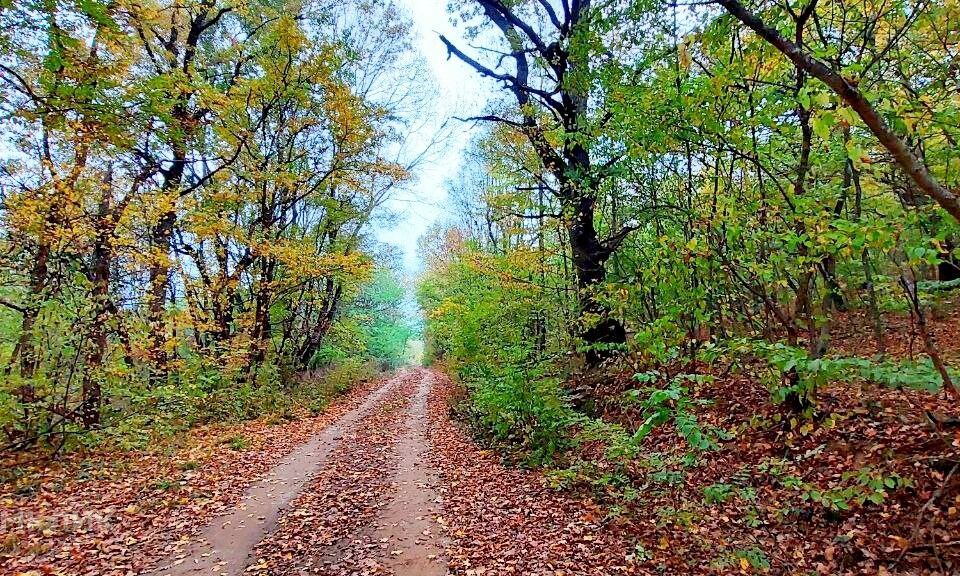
(38, 280)
(100, 277)
(322, 326)
(91, 389)
(159, 279)
(601, 333)
(260, 336)
(853, 175)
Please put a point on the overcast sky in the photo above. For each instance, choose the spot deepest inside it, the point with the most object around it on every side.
(459, 94)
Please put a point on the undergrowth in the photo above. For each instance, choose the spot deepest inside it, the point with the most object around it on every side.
(528, 413)
(147, 418)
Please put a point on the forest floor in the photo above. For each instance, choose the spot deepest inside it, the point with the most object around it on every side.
(869, 485)
(384, 482)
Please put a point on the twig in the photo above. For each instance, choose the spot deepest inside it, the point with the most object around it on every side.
(933, 546)
(933, 498)
(910, 288)
(940, 545)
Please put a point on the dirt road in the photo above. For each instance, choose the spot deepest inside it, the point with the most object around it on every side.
(381, 483)
(356, 498)
(394, 487)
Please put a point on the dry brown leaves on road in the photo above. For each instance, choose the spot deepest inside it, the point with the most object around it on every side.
(324, 531)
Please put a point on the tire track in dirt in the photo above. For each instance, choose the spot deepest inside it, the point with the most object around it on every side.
(408, 527)
(372, 511)
(225, 545)
(323, 530)
(117, 513)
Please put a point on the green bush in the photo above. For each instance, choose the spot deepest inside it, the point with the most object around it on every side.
(813, 373)
(525, 409)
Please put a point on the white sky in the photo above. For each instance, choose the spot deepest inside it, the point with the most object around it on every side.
(460, 93)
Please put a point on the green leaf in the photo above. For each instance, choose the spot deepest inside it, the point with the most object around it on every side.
(822, 123)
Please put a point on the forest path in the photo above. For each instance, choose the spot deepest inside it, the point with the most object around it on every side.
(225, 544)
(407, 525)
(358, 498)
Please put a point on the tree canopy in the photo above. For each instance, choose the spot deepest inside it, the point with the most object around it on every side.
(188, 189)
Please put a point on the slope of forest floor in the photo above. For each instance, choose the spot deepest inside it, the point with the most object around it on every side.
(869, 485)
(506, 520)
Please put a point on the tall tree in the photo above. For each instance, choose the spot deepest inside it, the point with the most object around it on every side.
(551, 82)
(849, 92)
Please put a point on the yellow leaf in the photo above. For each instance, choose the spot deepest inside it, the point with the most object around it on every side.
(684, 56)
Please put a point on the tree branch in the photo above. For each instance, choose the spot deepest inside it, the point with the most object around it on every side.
(13, 306)
(516, 85)
(848, 91)
(497, 10)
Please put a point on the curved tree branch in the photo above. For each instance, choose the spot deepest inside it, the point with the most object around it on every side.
(849, 93)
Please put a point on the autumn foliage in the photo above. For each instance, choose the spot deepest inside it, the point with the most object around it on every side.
(187, 189)
(762, 197)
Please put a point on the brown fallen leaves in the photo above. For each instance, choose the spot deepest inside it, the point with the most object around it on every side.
(116, 513)
(325, 529)
(502, 521)
(505, 521)
(769, 476)
(117, 517)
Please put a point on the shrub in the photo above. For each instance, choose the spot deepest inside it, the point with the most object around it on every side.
(523, 408)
